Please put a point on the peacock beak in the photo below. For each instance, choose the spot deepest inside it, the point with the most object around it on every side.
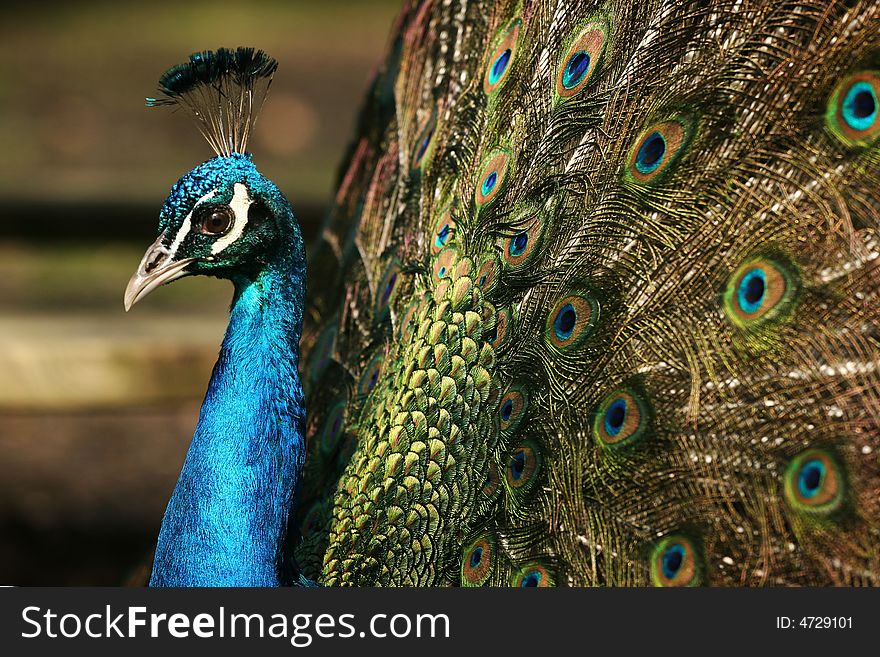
(157, 267)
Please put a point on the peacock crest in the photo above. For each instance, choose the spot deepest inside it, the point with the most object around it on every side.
(222, 90)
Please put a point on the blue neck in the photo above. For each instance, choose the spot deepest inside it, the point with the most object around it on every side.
(227, 520)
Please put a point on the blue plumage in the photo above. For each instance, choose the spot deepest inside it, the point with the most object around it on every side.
(227, 521)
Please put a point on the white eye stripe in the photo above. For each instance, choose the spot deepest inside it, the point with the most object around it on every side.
(240, 203)
(186, 226)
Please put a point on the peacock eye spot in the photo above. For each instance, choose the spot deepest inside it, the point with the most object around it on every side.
(531, 579)
(566, 319)
(518, 244)
(517, 464)
(761, 290)
(476, 557)
(672, 560)
(506, 410)
(814, 482)
(810, 479)
(752, 290)
(489, 183)
(216, 220)
(863, 104)
(443, 235)
(675, 562)
(575, 69)
(492, 335)
(860, 106)
(651, 153)
(500, 65)
(623, 418)
(753, 287)
(615, 417)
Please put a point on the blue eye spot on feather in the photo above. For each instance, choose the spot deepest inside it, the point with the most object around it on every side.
(565, 322)
(518, 244)
(531, 579)
(487, 275)
(674, 562)
(761, 290)
(497, 334)
(581, 60)
(673, 558)
(506, 410)
(651, 153)
(423, 147)
(388, 289)
(622, 418)
(750, 293)
(532, 576)
(442, 236)
(489, 183)
(517, 465)
(499, 67)
(852, 111)
(423, 143)
(575, 70)
(492, 178)
(477, 561)
(810, 478)
(476, 557)
(657, 148)
(571, 320)
(512, 408)
(523, 246)
(615, 416)
(501, 58)
(444, 263)
(443, 231)
(522, 467)
(370, 375)
(860, 106)
(814, 482)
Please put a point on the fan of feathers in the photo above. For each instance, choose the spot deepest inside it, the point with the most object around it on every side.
(597, 302)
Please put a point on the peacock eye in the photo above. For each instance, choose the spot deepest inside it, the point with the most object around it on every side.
(216, 220)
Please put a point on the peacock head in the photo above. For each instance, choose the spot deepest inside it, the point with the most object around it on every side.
(223, 218)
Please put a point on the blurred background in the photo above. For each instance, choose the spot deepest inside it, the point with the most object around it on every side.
(97, 406)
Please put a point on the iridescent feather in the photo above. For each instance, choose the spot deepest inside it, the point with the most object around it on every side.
(599, 299)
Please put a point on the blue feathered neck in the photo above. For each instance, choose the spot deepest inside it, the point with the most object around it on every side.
(227, 521)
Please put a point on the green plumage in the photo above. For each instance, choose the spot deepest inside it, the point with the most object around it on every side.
(598, 301)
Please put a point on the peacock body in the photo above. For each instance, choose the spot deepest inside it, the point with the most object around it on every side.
(596, 303)
(599, 301)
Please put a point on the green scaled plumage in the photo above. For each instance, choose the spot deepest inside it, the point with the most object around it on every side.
(603, 309)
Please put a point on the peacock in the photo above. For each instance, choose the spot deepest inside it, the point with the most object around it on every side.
(597, 303)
